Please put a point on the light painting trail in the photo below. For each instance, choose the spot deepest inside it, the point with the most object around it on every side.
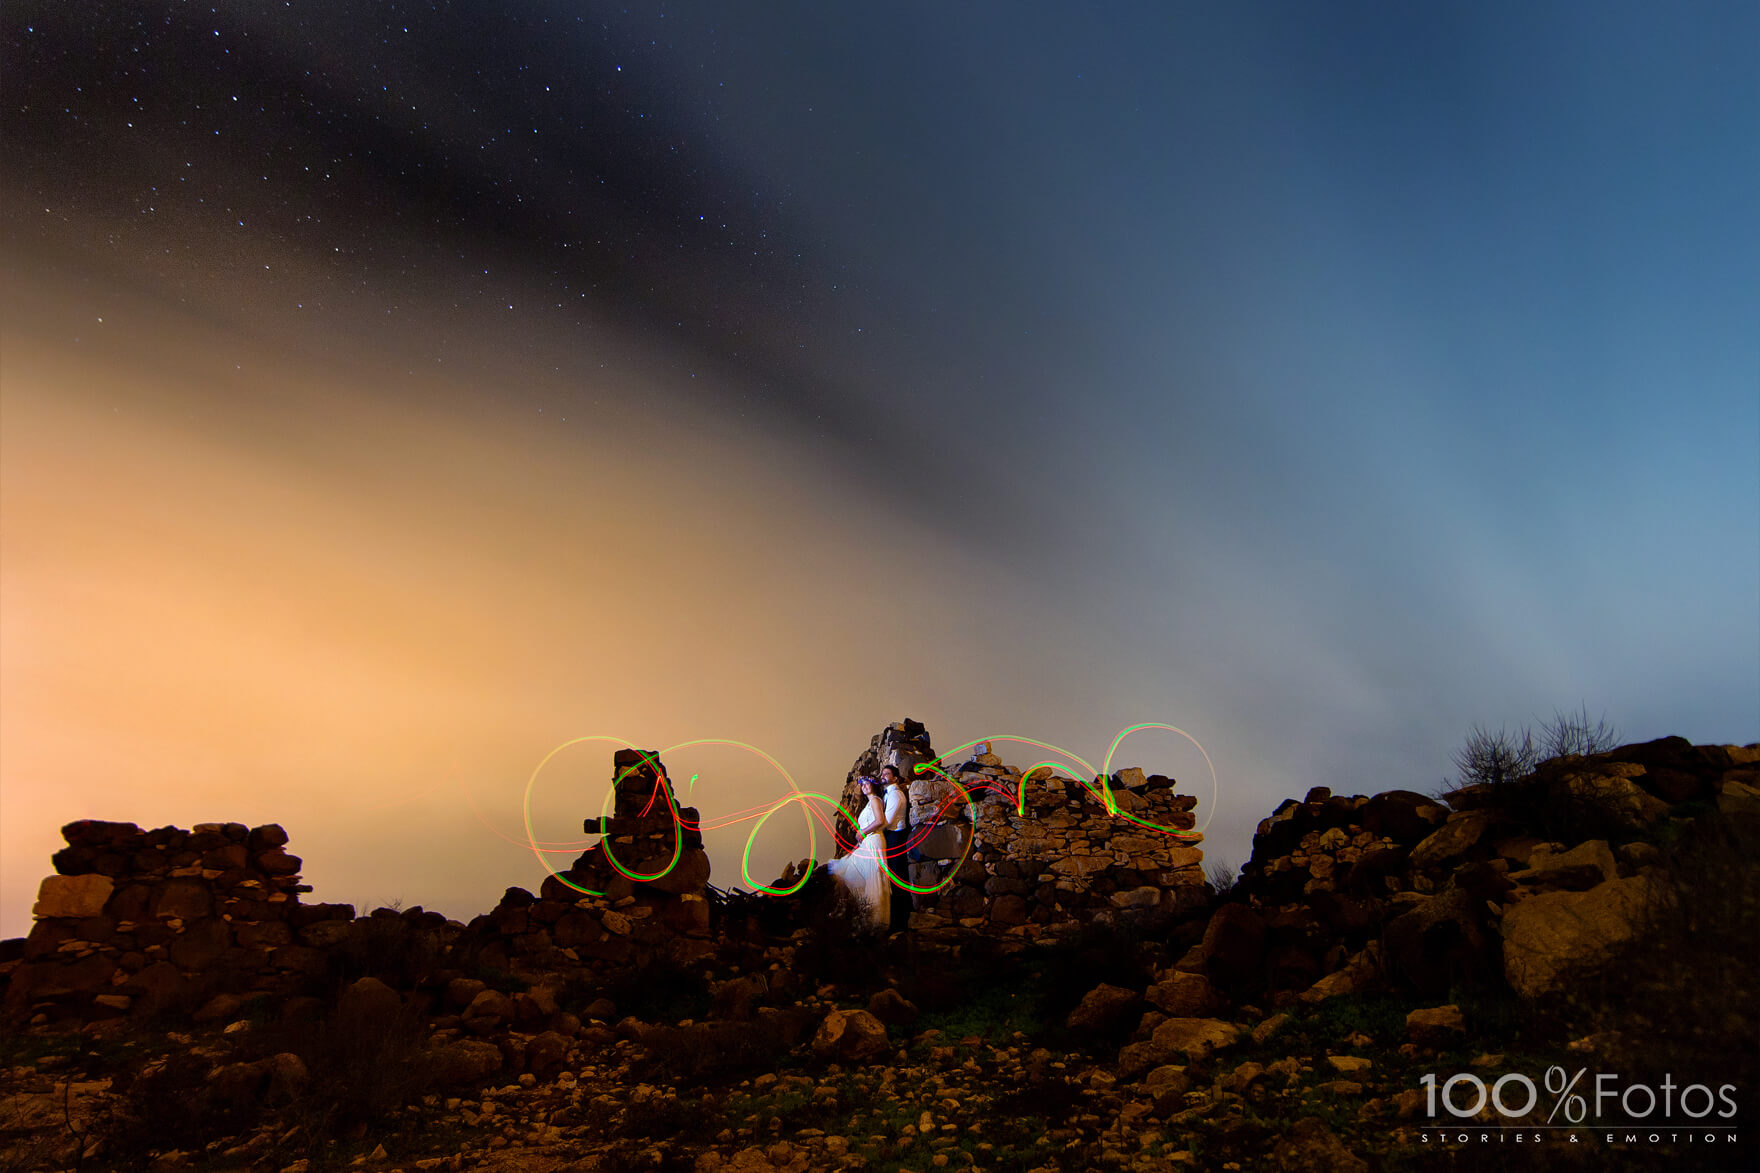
(1101, 787)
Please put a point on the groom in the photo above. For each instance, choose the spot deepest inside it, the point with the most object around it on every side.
(898, 837)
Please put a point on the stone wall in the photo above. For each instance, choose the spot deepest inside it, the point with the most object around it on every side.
(629, 921)
(1066, 861)
(135, 920)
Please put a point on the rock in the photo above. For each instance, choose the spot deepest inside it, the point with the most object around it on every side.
(1546, 936)
(1737, 798)
(219, 1008)
(946, 841)
(1183, 995)
(368, 1000)
(267, 836)
(1639, 854)
(1136, 1058)
(287, 1074)
(1442, 942)
(326, 934)
(463, 1062)
(892, 1008)
(1347, 1064)
(237, 1084)
(200, 944)
(546, 1053)
(1361, 974)
(1195, 1038)
(1234, 944)
(1612, 792)
(1518, 849)
(1103, 1009)
(1436, 1026)
(689, 874)
(490, 1004)
(183, 899)
(1401, 815)
(1265, 1030)
(1579, 869)
(460, 991)
(1311, 1147)
(73, 896)
(1456, 837)
(852, 1035)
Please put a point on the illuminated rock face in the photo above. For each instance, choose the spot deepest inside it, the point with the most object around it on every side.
(1057, 859)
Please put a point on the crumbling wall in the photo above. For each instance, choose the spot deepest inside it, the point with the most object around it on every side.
(1066, 860)
(628, 921)
(133, 920)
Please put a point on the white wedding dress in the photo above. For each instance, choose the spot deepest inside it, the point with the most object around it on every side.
(861, 873)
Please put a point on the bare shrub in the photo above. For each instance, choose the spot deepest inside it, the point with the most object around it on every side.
(1495, 759)
(1221, 876)
(1569, 734)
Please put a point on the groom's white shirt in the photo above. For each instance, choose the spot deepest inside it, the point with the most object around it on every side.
(895, 807)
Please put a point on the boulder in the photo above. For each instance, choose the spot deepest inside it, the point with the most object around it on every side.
(1103, 1008)
(1436, 1026)
(490, 1004)
(1195, 1038)
(546, 1053)
(1183, 995)
(1401, 815)
(1234, 944)
(852, 1035)
(73, 896)
(892, 1008)
(1460, 834)
(368, 1000)
(1579, 869)
(1361, 974)
(1547, 936)
(1612, 791)
(1442, 941)
(463, 1062)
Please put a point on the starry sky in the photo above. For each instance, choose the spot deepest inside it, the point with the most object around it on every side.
(391, 394)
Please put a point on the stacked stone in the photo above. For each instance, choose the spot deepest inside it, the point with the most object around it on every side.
(631, 920)
(903, 744)
(1343, 894)
(134, 916)
(1066, 861)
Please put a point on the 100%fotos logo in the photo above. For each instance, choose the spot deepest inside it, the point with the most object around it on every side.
(1514, 1095)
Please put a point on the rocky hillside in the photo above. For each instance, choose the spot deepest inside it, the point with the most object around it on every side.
(1597, 917)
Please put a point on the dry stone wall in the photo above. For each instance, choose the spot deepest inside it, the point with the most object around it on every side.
(618, 920)
(1065, 861)
(136, 919)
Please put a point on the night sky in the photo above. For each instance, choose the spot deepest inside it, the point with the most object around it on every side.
(391, 393)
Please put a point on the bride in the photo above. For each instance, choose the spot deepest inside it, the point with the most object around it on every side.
(860, 872)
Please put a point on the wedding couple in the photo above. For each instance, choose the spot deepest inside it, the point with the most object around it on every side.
(883, 830)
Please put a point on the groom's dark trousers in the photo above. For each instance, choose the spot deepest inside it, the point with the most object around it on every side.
(898, 861)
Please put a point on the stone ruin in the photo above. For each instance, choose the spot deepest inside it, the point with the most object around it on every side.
(139, 921)
(136, 919)
(1064, 863)
(631, 919)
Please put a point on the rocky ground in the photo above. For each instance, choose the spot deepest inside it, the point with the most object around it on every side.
(994, 1078)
